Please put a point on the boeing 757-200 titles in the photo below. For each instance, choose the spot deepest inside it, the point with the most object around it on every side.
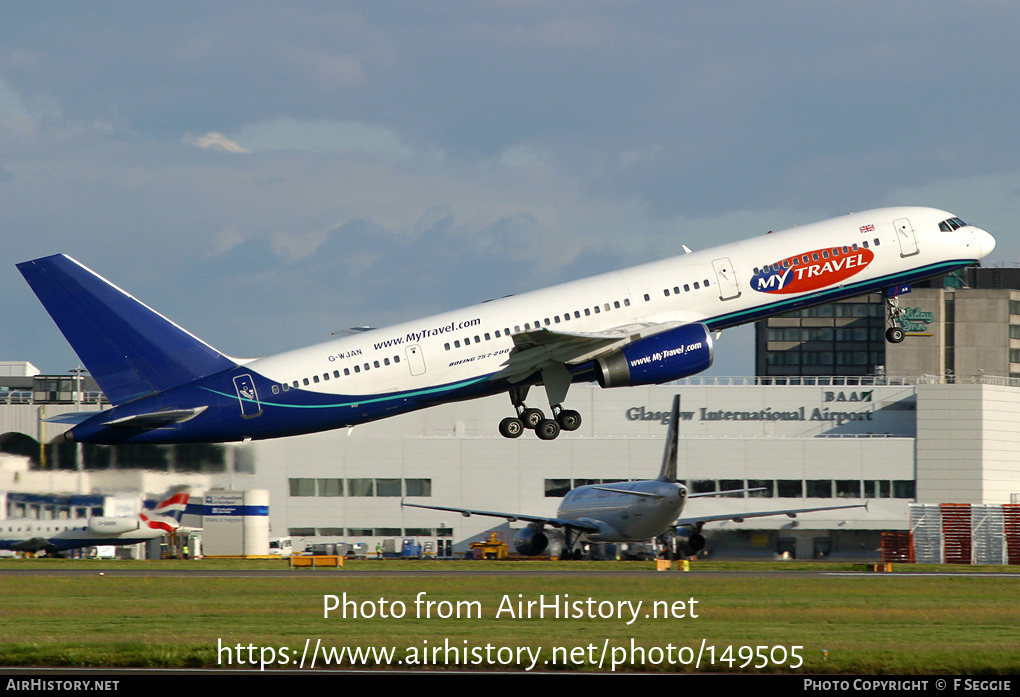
(644, 325)
(627, 511)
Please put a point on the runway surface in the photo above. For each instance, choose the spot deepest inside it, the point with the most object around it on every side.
(410, 573)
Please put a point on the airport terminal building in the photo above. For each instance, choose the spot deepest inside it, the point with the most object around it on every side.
(890, 442)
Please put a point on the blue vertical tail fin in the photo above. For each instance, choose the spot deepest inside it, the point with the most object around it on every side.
(130, 349)
(668, 471)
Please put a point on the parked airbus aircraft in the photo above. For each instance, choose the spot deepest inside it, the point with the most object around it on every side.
(644, 325)
(54, 536)
(627, 511)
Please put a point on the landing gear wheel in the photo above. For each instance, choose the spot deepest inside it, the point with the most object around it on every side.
(511, 427)
(532, 417)
(569, 420)
(894, 335)
(547, 429)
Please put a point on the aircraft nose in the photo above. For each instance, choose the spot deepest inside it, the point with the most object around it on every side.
(984, 242)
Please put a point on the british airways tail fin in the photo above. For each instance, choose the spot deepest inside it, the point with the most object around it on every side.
(130, 349)
(166, 514)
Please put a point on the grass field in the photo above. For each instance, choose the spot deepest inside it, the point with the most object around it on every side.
(861, 624)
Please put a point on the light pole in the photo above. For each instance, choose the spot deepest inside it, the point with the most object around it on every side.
(79, 454)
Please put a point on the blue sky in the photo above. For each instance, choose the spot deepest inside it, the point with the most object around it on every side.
(265, 173)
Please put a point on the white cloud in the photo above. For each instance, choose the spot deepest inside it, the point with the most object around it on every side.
(216, 141)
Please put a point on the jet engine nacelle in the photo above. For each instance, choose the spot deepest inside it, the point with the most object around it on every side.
(531, 541)
(689, 542)
(112, 526)
(669, 355)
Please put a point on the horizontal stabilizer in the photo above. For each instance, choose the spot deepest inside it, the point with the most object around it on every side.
(130, 349)
(71, 417)
(156, 419)
(628, 492)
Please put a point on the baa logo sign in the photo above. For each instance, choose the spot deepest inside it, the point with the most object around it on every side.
(811, 270)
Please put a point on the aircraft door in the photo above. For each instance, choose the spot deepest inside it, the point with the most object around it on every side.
(247, 396)
(415, 360)
(727, 279)
(906, 237)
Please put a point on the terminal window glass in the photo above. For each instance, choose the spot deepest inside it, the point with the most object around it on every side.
(586, 482)
(358, 532)
(331, 532)
(360, 487)
(701, 486)
(302, 487)
(848, 489)
(418, 487)
(768, 484)
(387, 487)
(903, 489)
(726, 484)
(301, 532)
(790, 488)
(444, 532)
(331, 487)
(556, 488)
(819, 488)
(418, 532)
(387, 532)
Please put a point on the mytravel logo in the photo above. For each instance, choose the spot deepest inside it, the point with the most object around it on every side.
(811, 271)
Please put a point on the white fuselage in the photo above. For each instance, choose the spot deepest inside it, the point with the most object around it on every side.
(715, 286)
(625, 517)
(32, 535)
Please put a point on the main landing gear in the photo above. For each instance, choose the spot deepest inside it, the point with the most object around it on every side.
(894, 334)
(534, 419)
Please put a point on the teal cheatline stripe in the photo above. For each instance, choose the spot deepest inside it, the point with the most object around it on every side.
(369, 400)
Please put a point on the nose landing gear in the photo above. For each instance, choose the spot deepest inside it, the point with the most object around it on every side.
(894, 334)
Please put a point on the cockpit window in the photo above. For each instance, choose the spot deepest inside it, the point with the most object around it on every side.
(951, 224)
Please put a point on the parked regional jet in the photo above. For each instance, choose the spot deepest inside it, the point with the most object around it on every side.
(645, 325)
(54, 536)
(627, 511)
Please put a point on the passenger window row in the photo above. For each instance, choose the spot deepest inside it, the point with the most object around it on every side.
(833, 253)
(538, 324)
(358, 368)
(687, 288)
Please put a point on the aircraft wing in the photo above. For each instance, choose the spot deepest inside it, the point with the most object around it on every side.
(513, 517)
(539, 348)
(740, 517)
(32, 544)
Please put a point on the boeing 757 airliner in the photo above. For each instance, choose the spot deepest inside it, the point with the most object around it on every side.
(644, 325)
